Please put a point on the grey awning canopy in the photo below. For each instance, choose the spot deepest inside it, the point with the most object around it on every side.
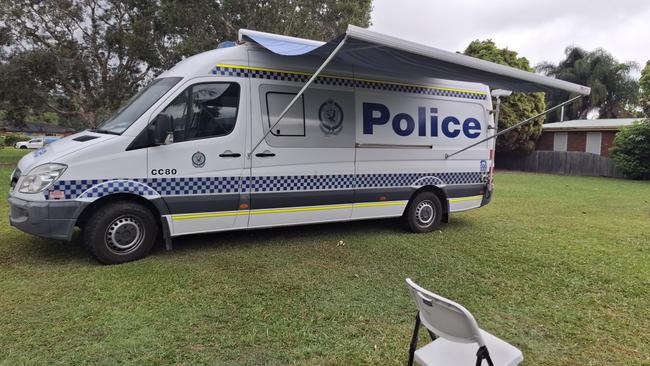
(382, 53)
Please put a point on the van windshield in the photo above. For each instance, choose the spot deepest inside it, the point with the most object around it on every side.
(136, 106)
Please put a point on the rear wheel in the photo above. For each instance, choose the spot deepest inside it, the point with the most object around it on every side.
(120, 232)
(424, 213)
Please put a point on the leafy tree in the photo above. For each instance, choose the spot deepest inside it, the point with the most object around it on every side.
(517, 106)
(644, 83)
(631, 150)
(83, 58)
(614, 91)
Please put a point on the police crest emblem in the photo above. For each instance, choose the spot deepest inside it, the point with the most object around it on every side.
(198, 159)
(330, 115)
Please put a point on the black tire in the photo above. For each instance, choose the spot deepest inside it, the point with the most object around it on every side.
(120, 232)
(23, 147)
(424, 213)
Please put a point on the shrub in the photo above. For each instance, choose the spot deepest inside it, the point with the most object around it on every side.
(631, 150)
(11, 138)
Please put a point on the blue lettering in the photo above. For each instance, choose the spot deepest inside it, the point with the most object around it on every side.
(422, 121)
(369, 119)
(434, 122)
(397, 124)
(469, 126)
(404, 124)
(445, 126)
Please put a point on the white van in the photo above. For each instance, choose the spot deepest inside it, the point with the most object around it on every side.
(206, 146)
(35, 143)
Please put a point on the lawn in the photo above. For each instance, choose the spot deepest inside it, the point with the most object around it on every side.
(558, 266)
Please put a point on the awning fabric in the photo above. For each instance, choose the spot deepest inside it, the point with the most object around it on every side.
(382, 53)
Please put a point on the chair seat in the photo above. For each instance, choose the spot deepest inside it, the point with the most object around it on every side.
(442, 352)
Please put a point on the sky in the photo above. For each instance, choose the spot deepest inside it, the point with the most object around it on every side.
(538, 30)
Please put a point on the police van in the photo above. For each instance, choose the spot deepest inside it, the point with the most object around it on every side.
(272, 131)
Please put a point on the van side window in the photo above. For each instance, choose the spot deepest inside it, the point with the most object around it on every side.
(204, 110)
(177, 110)
(293, 123)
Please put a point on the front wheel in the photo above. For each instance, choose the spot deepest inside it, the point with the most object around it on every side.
(424, 213)
(23, 147)
(120, 232)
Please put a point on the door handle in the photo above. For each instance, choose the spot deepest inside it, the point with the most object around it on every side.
(265, 154)
(229, 154)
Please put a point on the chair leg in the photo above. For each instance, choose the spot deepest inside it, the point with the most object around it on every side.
(414, 339)
(483, 354)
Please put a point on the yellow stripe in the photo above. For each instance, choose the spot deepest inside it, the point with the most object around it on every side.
(299, 209)
(375, 204)
(461, 199)
(286, 210)
(346, 78)
(214, 214)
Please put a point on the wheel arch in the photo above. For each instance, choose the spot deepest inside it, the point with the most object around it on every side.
(156, 206)
(439, 192)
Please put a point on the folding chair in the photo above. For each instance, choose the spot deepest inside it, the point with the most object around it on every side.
(456, 338)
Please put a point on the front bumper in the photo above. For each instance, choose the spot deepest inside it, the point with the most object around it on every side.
(49, 219)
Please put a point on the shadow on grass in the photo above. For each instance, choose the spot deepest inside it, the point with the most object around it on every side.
(57, 252)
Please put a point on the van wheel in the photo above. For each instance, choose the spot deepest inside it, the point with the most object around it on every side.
(120, 232)
(424, 213)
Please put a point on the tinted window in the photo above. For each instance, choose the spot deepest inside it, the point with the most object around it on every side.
(137, 105)
(204, 110)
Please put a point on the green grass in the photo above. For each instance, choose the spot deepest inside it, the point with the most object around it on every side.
(558, 266)
(10, 156)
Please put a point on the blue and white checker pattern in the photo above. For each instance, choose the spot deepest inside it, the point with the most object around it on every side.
(223, 185)
(341, 81)
(194, 185)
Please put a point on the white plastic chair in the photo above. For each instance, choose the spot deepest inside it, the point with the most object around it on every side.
(457, 339)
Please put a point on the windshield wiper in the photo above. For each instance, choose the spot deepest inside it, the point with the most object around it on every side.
(99, 130)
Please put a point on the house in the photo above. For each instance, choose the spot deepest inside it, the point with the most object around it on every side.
(592, 136)
(38, 129)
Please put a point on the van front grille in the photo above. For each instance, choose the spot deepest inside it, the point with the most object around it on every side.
(14, 179)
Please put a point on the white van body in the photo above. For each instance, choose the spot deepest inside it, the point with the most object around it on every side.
(356, 146)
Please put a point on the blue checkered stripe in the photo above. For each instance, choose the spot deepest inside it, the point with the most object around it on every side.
(339, 81)
(418, 179)
(194, 185)
(223, 185)
(93, 188)
(299, 183)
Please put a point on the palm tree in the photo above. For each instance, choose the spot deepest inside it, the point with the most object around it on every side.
(614, 92)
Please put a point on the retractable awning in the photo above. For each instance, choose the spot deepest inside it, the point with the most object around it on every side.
(383, 53)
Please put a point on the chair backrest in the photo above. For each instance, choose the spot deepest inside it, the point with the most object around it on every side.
(444, 317)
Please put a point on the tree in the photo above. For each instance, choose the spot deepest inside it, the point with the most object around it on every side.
(517, 106)
(614, 91)
(83, 58)
(644, 83)
(631, 150)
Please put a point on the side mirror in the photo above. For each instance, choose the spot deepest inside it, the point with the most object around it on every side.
(162, 130)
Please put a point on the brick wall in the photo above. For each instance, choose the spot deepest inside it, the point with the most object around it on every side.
(576, 141)
(607, 142)
(545, 141)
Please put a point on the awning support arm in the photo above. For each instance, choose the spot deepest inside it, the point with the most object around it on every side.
(447, 156)
(300, 93)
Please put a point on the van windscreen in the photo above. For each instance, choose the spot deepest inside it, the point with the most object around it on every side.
(137, 105)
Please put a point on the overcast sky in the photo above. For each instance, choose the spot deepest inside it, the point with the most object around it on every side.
(539, 30)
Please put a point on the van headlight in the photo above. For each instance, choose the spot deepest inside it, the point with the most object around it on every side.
(41, 177)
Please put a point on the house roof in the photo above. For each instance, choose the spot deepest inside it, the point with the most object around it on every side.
(38, 127)
(614, 124)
